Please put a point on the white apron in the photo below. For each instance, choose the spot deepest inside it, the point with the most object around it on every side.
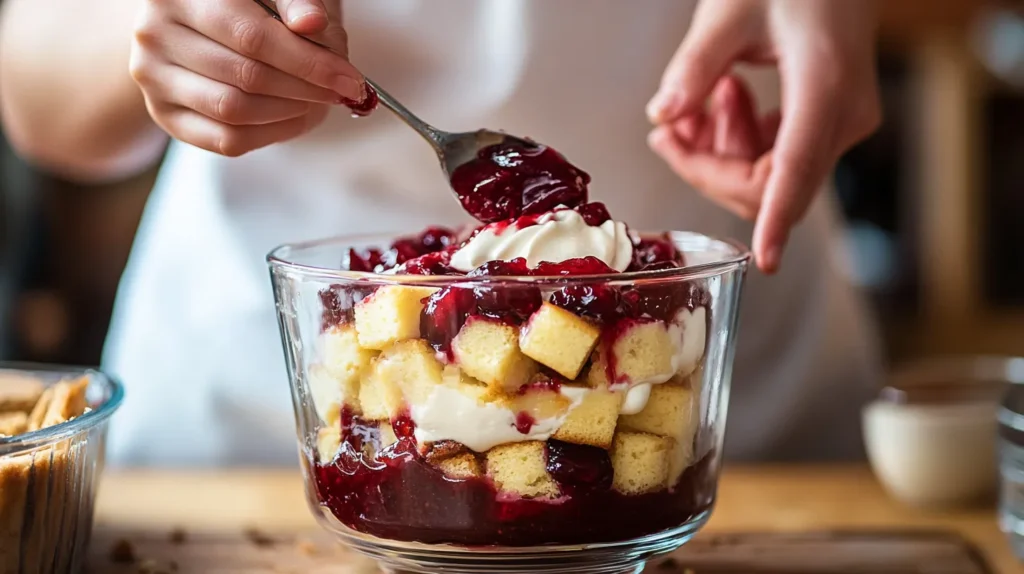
(194, 336)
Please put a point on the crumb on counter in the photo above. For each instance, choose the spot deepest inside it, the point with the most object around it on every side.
(122, 552)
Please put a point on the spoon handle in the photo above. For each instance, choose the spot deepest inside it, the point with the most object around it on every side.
(434, 136)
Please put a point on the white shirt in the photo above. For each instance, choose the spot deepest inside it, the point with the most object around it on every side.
(194, 335)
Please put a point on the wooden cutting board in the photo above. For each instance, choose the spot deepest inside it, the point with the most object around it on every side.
(315, 552)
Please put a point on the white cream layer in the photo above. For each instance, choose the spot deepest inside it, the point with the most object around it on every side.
(451, 415)
(557, 236)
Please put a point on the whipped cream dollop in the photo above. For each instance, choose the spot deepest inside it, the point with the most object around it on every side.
(557, 236)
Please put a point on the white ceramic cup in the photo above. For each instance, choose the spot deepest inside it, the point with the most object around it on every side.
(931, 437)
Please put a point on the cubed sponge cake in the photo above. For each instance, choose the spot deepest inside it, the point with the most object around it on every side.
(377, 397)
(412, 368)
(669, 412)
(387, 434)
(641, 352)
(389, 315)
(460, 466)
(672, 411)
(488, 351)
(592, 421)
(328, 442)
(640, 462)
(329, 393)
(521, 468)
(559, 340)
(342, 354)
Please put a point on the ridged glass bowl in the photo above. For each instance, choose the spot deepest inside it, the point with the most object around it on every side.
(48, 479)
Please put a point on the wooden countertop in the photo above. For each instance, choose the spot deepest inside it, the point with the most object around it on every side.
(751, 498)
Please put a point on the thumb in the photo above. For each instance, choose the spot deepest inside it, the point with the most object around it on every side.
(306, 17)
(707, 53)
(318, 20)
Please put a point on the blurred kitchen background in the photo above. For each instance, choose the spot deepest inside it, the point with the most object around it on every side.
(934, 201)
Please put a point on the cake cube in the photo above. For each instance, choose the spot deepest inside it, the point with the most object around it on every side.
(462, 466)
(682, 458)
(559, 340)
(640, 462)
(641, 352)
(521, 468)
(329, 394)
(597, 373)
(488, 351)
(592, 421)
(389, 315)
(669, 412)
(387, 434)
(342, 354)
(379, 397)
(410, 366)
(328, 442)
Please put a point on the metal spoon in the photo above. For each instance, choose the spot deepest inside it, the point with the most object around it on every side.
(453, 149)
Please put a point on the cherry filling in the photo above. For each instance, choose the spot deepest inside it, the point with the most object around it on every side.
(525, 422)
(405, 250)
(598, 302)
(437, 263)
(366, 106)
(594, 214)
(664, 301)
(579, 266)
(444, 313)
(508, 180)
(651, 252)
(335, 307)
(395, 493)
(403, 426)
(579, 468)
(364, 260)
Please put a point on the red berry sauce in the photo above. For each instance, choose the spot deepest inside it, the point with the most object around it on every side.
(364, 107)
(398, 495)
(510, 180)
(525, 422)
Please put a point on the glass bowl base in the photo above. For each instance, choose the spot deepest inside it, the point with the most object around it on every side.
(626, 557)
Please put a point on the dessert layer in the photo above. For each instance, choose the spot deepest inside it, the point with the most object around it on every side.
(574, 497)
(554, 237)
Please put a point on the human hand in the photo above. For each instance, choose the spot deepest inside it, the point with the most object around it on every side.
(767, 169)
(226, 77)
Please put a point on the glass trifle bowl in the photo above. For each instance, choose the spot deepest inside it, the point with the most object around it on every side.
(495, 422)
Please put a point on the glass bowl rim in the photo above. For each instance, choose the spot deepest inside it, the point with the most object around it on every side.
(738, 257)
(17, 444)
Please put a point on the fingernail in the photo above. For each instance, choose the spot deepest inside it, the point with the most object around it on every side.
(297, 12)
(655, 138)
(350, 88)
(772, 259)
(662, 105)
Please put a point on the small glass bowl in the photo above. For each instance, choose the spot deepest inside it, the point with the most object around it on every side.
(380, 371)
(48, 479)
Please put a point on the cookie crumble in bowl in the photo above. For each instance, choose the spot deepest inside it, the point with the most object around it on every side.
(53, 424)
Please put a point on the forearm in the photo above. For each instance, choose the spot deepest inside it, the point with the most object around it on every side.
(68, 101)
